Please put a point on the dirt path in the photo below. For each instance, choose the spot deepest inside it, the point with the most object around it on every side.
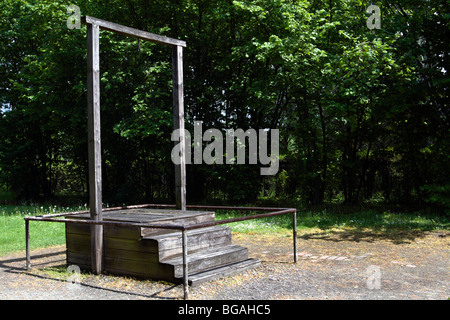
(332, 265)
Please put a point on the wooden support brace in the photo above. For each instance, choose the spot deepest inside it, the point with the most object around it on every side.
(132, 32)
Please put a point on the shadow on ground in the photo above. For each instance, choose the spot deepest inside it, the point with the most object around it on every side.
(17, 263)
(395, 237)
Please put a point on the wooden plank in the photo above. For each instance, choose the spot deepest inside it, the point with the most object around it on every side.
(82, 251)
(178, 121)
(209, 259)
(227, 270)
(74, 241)
(150, 216)
(145, 232)
(78, 252)
(131, 255)
(139, 269)
(94, 144)
(108, 231)
(118, 265)
(122, 232)
(210, 232)
(200, 239)
(131, 245)
(146, 212)
(78, 229)
(135, 33)
(81, 260)
(80, 238)
(167, 253)
(76, 246)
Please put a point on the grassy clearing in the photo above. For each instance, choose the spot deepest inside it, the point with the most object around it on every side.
(44, 234)
(374, 220)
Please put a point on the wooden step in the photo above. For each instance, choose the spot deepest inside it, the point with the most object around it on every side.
(183, 218)
(156, 253)
(170, 244)
(222, 271)
(207, 259)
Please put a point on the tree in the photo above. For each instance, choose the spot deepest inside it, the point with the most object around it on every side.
(362, 113)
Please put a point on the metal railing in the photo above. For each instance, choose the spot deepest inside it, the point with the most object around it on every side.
(269, 212)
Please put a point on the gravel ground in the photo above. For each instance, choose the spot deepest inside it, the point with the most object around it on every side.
(335, 265)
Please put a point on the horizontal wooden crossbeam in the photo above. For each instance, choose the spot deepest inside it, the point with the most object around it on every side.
(144, 35)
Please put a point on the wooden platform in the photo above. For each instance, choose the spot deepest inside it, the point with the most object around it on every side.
(156, 253)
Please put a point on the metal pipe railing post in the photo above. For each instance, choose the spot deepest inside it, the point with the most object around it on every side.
(185, 265)
(27, 242)
(294, 231)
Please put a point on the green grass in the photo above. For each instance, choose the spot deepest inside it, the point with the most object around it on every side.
(375, 220)
(44, 234)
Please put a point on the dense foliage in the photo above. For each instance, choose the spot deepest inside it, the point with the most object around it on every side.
(362, 113)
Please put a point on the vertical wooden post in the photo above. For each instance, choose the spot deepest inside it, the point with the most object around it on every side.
(94, 145)
(178, 119)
